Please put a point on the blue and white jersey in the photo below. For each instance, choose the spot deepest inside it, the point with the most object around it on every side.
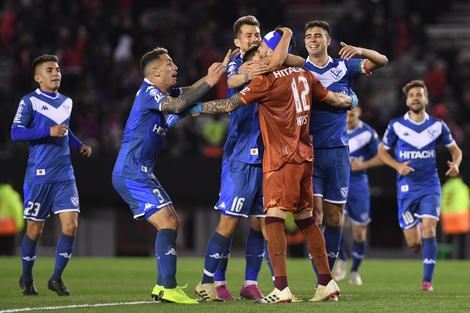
(144, 134)
(244, 141)
(363, 145)
(328, 124)
(49, 157)
(417, 143)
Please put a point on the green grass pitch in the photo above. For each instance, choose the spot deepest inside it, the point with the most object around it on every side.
(124, 285)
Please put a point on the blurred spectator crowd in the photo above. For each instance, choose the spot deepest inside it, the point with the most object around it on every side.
(100, 43)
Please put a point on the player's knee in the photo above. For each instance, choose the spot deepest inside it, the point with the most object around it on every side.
(69, 229)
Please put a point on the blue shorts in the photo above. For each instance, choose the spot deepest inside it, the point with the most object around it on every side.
(145, 197)
(241, 190)
(358, 211)
(41, 199)
(411, 210)
(331, 174)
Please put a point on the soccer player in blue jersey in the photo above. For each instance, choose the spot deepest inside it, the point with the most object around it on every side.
(143, 138)
(241, 189)
(363, 146)
(42, 119)
(414, 138)
(328, 126)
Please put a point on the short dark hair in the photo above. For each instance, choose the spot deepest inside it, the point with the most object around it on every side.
(250, 54)
(318, 23)
(43, 59)
(151, 56)
(244, 20)
(413, 84)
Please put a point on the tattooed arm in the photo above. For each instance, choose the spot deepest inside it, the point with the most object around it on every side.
(222, 105)
(185, 101)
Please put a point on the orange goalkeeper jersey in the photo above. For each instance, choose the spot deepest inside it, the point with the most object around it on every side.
(284, 101)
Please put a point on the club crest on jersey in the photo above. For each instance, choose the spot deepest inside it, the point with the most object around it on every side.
(74, 200)
(41, 172)
(336, 72)
(405, 188)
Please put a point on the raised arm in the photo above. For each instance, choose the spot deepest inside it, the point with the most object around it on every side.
(376, 60)
(187, 100)
(228, 56)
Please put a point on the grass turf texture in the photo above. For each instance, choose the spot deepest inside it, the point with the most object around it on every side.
(389, 286)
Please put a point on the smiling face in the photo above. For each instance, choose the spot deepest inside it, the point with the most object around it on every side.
(48, 76)
(416, 99)
(248, 37)
(316, 41)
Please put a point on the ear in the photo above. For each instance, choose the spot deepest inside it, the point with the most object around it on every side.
(236, 41)
(328, 41)
(37, 78)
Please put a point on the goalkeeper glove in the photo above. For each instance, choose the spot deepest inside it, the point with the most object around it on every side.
(355, 100)
(196, 110)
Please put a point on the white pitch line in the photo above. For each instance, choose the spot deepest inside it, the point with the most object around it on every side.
(75, 306)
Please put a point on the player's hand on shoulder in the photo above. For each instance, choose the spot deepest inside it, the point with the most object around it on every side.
(453, 170)
(86, 151)
(348, 51)
(59, 130)
(230, 55)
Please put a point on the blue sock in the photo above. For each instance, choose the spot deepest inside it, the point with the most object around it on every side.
(63, 255)
(159, 267)
(223, 262)
(313, 263)
(166, 255)
(358, 252)
(342, 248)
(29, 249)
(332, 236)
(429, 257)
(254, 249)
(215, 248)
(266, 256)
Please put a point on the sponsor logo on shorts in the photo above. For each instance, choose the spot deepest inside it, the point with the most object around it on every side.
(149, 205)
(74, 200)
(222, 206)
(254, 151)
(143, 169)
(41, 172)
(405, 188)
(272, 203)
(344, 191)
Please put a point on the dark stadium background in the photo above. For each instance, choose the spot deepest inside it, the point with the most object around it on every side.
(423, 39)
